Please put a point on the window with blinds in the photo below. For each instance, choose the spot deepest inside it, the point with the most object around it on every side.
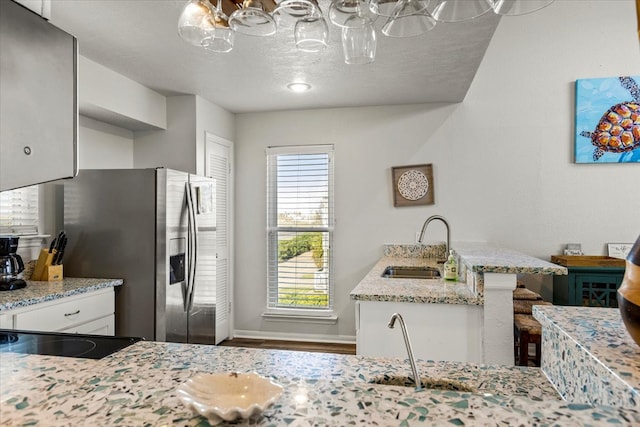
(300, 229)
(19, 211)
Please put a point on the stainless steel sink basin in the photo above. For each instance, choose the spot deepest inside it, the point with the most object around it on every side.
(427, 383)
(402, 272)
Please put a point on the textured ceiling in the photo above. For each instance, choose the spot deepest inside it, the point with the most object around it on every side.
(138, 39)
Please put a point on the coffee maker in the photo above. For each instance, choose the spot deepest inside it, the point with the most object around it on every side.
(11, 264)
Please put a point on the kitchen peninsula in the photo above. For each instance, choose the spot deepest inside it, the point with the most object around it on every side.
(470, 320)
(589, 356)
(136, 386)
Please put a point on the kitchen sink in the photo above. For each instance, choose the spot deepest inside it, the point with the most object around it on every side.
(427, 383)
(403, 272)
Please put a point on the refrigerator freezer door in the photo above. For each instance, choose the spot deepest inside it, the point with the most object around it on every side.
(172, 256)
(203, 305)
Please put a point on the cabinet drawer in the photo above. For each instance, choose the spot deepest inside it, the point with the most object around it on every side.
(103, 326)
(66, 314)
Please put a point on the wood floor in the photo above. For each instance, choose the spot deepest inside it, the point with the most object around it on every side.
(315, 347)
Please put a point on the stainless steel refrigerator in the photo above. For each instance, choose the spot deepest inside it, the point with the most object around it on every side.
(156, 229)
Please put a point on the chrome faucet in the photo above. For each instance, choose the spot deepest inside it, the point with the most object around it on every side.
(424, 228)
(407, 343)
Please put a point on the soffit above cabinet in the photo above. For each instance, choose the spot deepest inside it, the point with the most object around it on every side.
(113, 118)
(112, 98)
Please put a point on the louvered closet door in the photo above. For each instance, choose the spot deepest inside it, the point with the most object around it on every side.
(218, 166)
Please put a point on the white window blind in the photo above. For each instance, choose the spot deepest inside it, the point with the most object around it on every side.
(300, 229)
(19, 211)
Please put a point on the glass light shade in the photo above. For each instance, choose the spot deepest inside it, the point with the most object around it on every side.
(517, 7)
(359, 41)
(341, 10)
(396, 8)
(222, 39)
(457, 10)
(288, 12)
(195, 23)
(252, 20)
(407, 24)
(221, 42)
(311, 34)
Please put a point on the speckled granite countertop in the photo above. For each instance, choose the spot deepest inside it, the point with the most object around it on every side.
(374, 287)
(589, 356)
(38, 292)
(477, 258)
(481, 257)
(136, 386)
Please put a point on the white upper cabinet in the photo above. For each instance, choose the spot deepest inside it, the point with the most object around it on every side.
(38, 106)
(41, 7)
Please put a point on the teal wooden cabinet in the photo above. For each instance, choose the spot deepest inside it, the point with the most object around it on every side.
(593, 282)
(586, 286)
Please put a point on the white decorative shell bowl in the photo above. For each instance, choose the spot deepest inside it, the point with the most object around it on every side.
(228, 395)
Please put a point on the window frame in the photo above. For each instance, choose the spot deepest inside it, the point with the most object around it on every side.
(279, 312)
(31, 195)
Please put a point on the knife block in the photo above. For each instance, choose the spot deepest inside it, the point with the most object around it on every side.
(43, 270)
(53, 273)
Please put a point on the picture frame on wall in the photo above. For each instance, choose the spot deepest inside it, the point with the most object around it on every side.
(413, 185)
(607, 120)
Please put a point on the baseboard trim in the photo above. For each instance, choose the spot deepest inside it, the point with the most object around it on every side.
(287, 336)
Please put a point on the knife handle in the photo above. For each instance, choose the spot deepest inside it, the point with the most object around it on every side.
(60, 251)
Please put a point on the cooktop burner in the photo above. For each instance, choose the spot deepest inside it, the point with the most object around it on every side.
(61, 344)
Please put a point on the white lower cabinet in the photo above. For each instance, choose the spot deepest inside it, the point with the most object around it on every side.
(88, 313)
(103, 326)
(450, 332)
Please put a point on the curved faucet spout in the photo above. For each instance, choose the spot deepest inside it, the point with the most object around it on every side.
(407, 343)
(446, 224)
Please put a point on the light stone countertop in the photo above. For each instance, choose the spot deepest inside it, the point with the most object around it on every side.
(37, 292)
(136, 386)
(374, 287)
(476, 258)
(592, 358)
(482, 257)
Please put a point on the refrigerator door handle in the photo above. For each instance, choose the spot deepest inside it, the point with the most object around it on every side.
(193, 247)
(187, 295)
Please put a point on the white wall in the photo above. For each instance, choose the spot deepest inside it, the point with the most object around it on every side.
(503, 159)
(103, 146)
(172, 148)
(211, 118)
(181, 145)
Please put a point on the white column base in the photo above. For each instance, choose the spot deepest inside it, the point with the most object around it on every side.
(497, 344)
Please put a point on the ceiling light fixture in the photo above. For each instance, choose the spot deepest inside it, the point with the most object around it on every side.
(212, 27)
(299, 87)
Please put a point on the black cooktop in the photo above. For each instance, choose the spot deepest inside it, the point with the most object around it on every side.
(61, 344)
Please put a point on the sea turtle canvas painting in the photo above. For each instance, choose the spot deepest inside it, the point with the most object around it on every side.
(608, 120)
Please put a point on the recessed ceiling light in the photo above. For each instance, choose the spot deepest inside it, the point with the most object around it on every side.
(299, 87)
